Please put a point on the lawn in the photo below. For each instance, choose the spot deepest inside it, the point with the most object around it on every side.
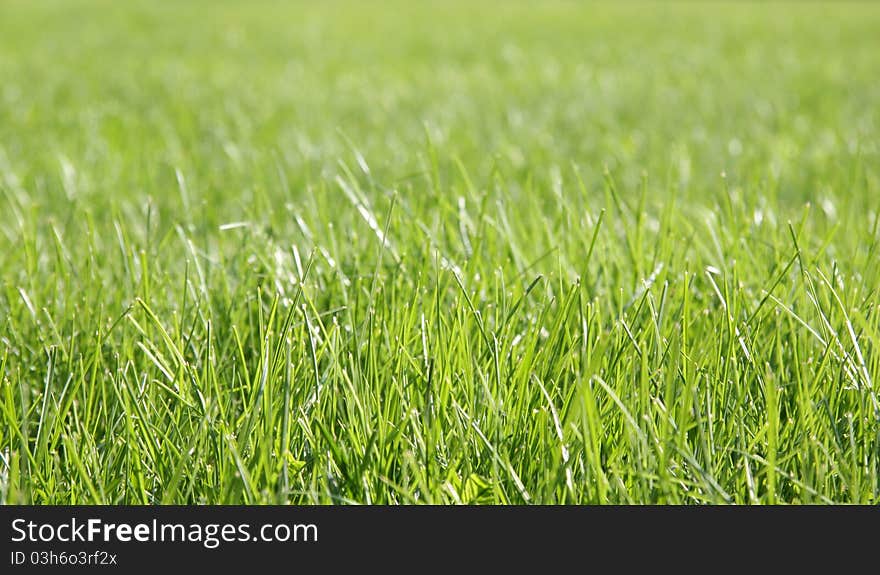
(515, 252)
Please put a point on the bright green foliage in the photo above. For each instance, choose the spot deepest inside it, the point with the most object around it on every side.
(477, 252)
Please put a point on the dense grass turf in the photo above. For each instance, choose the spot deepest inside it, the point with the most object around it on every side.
(509, 252)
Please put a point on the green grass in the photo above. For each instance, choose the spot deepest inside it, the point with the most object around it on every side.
(478, 252)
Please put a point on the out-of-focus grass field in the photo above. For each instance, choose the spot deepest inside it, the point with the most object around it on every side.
(477, 252)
